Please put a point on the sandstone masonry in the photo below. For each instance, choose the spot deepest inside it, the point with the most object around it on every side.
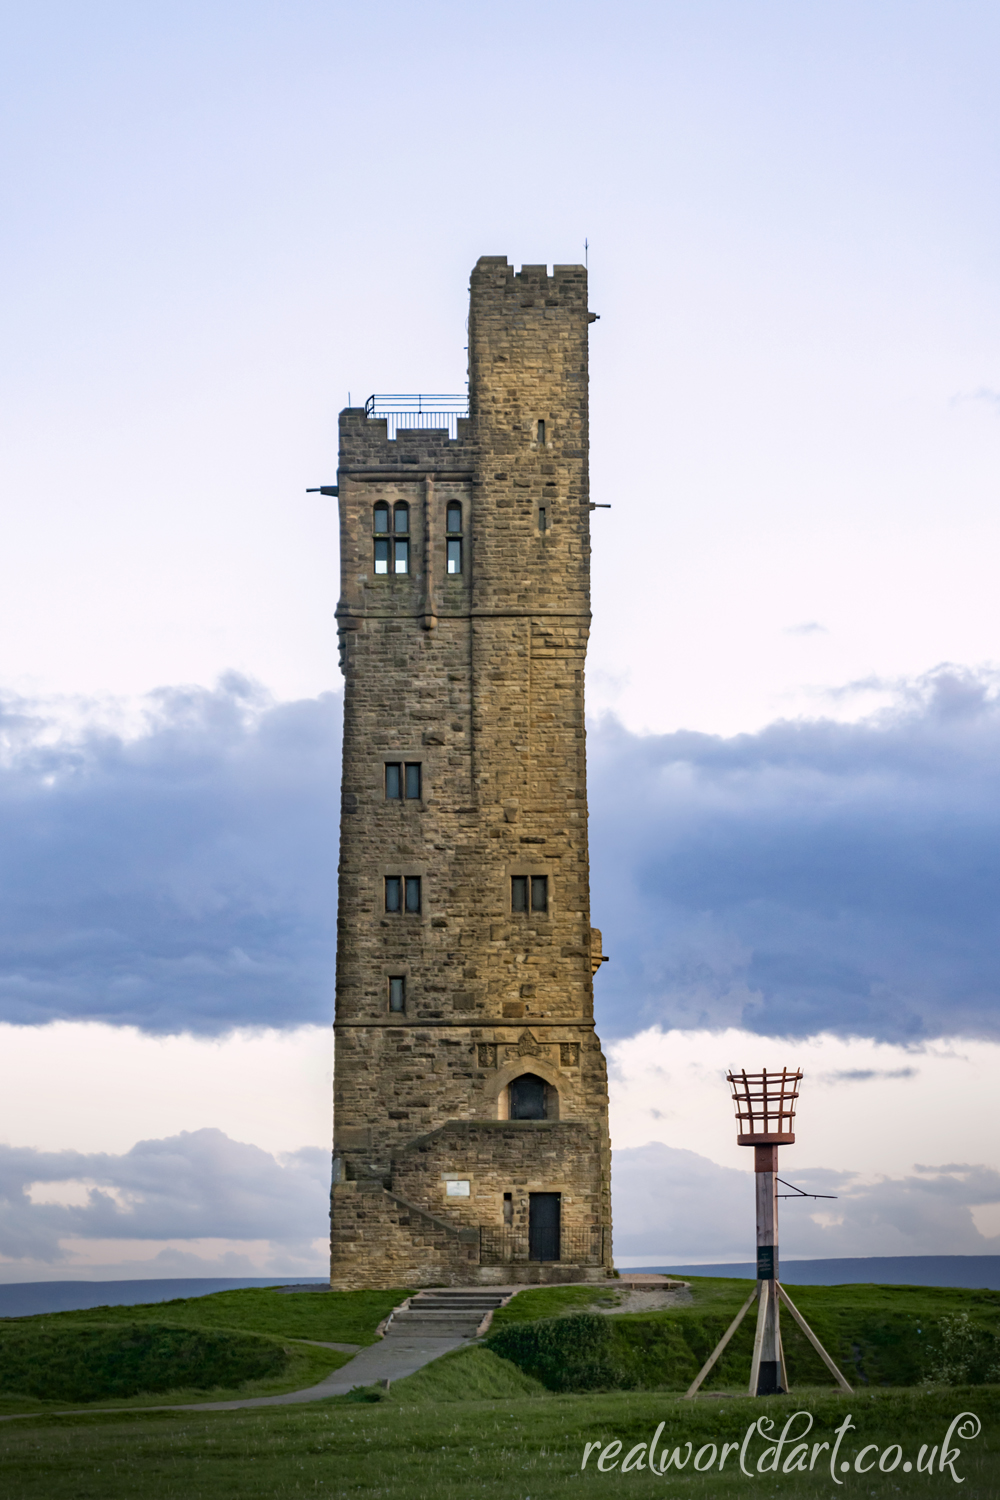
(470, 1117)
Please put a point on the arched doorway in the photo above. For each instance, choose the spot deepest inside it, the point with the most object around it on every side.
(527, 1097)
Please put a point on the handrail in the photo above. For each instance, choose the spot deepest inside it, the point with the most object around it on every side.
(418, 410)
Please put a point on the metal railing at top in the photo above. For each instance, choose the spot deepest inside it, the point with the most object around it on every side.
(501, 1245)
(418, 411)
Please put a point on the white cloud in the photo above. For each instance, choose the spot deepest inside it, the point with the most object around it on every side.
(673, 1206)
(871, 1116)
(865, 1107)
(198, 1199)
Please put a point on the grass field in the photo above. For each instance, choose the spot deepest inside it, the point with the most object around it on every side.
(494, 1449)
(474, 1425)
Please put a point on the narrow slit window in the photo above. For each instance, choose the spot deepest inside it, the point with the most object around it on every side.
(397, 993)
(543, 518)
(508, 1208)
(454, 555)
(401, 519)
(413, 780)
(519, 893)
(539, 893)
(393, 784)
(541, 432)
(401, 555)
(393, 893)
(454, 520)
(413, 893)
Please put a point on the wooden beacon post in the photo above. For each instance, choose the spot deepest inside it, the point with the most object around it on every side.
(765, 1115)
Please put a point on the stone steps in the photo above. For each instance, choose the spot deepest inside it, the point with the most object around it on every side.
(443, 1313)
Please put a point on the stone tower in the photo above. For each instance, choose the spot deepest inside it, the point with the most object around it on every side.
(471, 1114)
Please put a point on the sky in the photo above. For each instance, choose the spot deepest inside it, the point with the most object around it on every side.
(222, 221)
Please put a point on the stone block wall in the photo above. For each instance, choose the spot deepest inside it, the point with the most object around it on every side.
(478, 677)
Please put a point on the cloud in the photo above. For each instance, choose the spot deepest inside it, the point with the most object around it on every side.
(808, 627)
(199, 1203)
(673, 1205)
(182, 877)
(814, 876)
(215, 1196)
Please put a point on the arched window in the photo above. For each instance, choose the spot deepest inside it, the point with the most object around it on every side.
(381, 527)
(527, 1097)
(453, 523)
(401, 543)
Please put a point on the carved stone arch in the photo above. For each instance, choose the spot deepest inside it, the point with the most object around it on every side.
(501, 1080)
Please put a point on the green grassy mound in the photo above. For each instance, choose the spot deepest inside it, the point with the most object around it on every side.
(577, 1353)
(328, 1317)
(880, 1336)
(475, 1374)
(554, 1302)
(98, 1363)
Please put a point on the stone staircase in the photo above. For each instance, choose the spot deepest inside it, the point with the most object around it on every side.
(446, 1313)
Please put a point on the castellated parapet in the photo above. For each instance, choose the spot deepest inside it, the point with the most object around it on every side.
(471, 1118)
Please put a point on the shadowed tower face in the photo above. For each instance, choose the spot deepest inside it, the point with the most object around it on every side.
(471, 1117)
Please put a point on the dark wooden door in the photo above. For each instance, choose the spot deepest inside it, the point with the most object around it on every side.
(543, 1226)
(527, 1097)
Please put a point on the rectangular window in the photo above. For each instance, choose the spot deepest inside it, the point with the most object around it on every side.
(393, 893)
(541, 432)
(401, 555)
(397, 993)
(543, 519)
(413, 893)
(529, 893)
(454, 554)
(402, 780)
(381, 554)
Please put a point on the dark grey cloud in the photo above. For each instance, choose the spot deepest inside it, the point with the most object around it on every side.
(814, 876)
(193, 1186)
(181, 878)
(676, 1206)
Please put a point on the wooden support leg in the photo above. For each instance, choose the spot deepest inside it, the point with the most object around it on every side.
(813, 1339)
(782, 1367)
(766, 1293)
(706, 1367)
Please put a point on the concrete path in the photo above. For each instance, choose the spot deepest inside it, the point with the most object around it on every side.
(391, 1359)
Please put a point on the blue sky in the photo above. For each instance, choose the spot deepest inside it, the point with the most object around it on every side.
(218, 221)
